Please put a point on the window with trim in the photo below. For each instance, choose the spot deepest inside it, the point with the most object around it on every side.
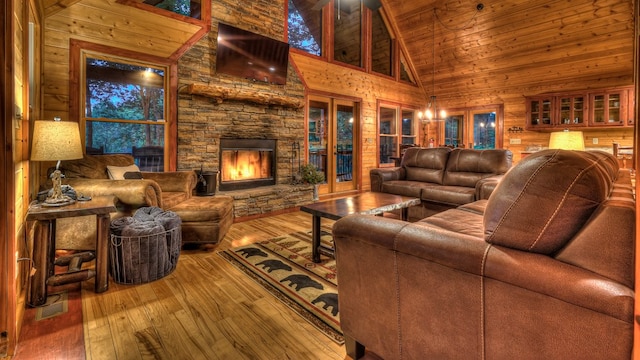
(190, 8)
(305, 27)
(347, 32)
(346, 24)
(125, 107)
(381, 45)
(397, 130)
(474, 128)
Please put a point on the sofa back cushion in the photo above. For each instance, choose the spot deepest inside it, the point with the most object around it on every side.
(94, 166)
(543, 201)
(466, 167)
(425, 164)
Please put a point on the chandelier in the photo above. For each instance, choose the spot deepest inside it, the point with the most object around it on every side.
(432, 112)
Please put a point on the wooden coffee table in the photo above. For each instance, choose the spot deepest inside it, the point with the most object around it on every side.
(372, 203)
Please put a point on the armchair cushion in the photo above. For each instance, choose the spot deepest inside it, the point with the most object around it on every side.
(425, 166)
(542, 203)
(466, 167)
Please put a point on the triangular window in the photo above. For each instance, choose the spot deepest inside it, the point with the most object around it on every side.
(305, 26)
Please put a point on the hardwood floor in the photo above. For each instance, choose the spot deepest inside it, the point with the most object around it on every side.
(205, 309)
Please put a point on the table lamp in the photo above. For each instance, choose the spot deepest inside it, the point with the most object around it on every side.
(55, 141)
(566, 140)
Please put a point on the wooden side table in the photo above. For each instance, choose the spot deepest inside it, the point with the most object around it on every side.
(44, 246)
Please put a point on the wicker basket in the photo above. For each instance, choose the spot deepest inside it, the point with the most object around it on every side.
(142, 259)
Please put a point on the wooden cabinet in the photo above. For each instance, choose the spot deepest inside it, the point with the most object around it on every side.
(540, 112)
(592, 108)
(609, 108)
(572, 110)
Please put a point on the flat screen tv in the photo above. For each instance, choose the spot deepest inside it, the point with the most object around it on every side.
(251, 56)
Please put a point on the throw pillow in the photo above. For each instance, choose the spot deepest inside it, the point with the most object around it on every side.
(117, 172)
(133, 175)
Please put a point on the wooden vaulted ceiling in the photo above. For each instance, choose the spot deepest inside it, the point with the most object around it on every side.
(527, 43)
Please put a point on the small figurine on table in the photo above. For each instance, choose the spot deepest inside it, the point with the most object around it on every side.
(60, 194)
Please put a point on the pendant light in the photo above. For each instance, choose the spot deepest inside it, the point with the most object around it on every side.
(432, 112)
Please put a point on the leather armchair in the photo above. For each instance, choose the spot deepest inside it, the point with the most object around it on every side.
(89, 177)
(543, 269)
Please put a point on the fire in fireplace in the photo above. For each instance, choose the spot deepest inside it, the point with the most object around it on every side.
(247, 163)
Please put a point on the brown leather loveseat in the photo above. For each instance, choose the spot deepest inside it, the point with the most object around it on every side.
(543, 269)
(442, 177)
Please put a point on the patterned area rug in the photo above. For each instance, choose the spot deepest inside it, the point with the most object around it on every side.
(283, 266)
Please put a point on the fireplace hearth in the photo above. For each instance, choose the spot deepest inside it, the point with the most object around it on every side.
(247, 163)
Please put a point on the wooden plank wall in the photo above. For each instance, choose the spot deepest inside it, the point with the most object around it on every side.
(104, 23)
(323, 77)
(517, 48)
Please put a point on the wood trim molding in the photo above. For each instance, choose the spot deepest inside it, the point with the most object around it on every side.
(220, 93)
(8, 296)
(75, 48)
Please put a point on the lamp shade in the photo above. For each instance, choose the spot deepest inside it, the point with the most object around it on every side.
(566, 140)
(56, 140)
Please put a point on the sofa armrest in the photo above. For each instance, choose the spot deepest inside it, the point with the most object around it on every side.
(132, 193)
(484, 187)
(174, 181)
(380, 175)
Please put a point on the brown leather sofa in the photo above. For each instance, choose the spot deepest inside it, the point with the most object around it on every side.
(543, 269)
(442, 177)
(204, 219)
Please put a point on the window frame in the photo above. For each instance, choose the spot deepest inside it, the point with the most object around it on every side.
(398, 109)
(205, 12)
(77, 83)
(327, 46)
(468, 113)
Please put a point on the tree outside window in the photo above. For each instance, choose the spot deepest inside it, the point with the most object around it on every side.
(305, 27)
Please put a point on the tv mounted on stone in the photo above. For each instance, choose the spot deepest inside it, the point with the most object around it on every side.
(251, 56)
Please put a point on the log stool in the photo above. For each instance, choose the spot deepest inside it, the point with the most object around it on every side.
(206, 219)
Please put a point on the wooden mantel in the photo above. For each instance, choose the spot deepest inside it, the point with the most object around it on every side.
(220, 93)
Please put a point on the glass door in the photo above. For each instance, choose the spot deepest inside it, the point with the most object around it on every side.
(473, 128)
(317, 141)
(484, 130)
(453, 130)
(343, 146)
(331, 142)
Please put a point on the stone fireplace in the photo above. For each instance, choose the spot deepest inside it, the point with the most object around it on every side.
(247, 163)
(215, 107)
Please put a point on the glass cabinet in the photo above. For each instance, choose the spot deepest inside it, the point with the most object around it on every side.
(609, 108)
(572, 110)
(612, 107)
(539, 112)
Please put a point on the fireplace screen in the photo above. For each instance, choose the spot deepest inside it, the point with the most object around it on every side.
(246, 163)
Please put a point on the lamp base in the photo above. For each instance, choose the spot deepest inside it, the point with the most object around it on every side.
(65, 200)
